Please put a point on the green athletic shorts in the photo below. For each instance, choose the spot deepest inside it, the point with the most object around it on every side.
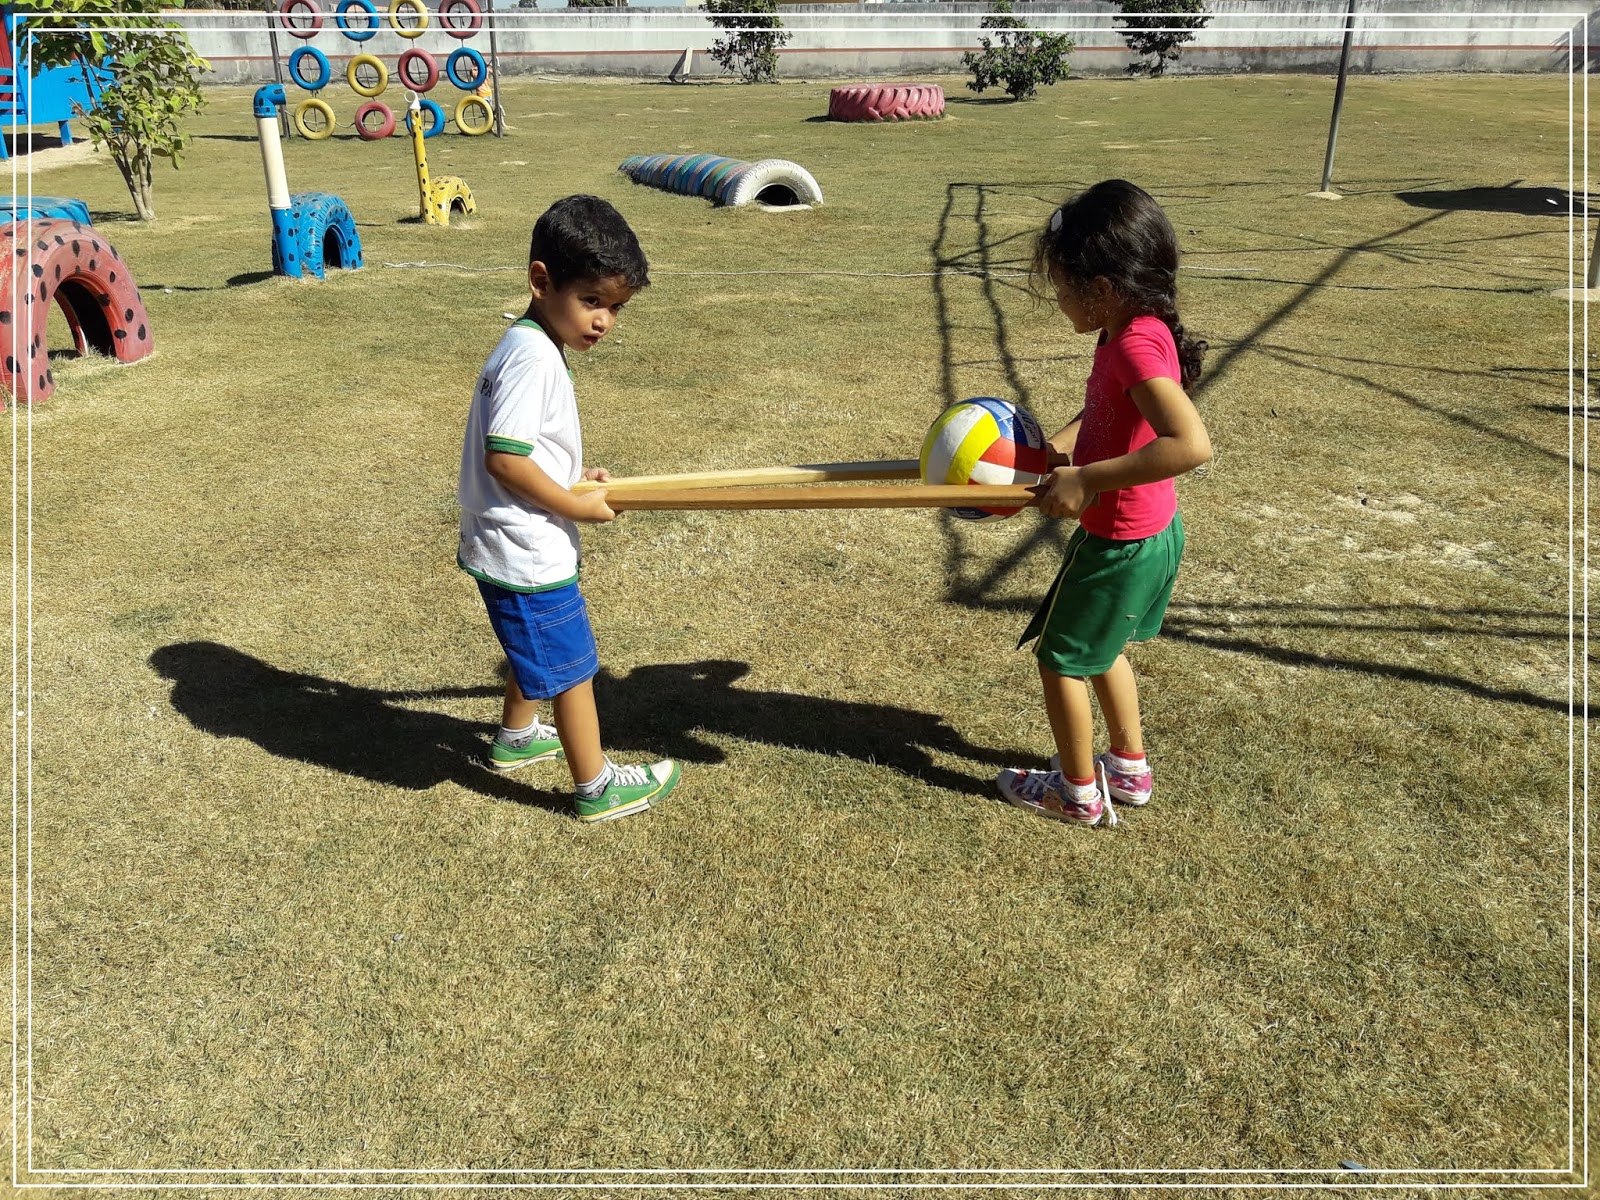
(1106, 595)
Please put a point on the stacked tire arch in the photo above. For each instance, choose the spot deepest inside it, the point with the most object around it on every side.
(369, 76)
(886, 102)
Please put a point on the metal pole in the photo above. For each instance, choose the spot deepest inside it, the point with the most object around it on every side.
(1594, 264)
(494, 71)
(1338, 95)
(285, 125)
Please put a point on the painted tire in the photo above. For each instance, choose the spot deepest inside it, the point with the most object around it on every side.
(318, 223)
(341, 18)
(416, 6)
(885, 102)
(434, 125)
(308, 131)
(385, 127)
(727, 181)
(430, 68)
(75, 266)
(474, 19)
(482, 121)
(452, 68)
(359, 88)
(291, 8)
(297, 60)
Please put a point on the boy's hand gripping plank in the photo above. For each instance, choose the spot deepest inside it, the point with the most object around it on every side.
(620, 497)
(847, 472)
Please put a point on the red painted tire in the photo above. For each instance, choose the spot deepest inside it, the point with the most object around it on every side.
(448, 8)
(430, 70)
(886, 102)
(293, 8)
(75, 266)
(385, 128)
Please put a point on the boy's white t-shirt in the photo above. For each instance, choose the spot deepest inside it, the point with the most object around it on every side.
(523, 404)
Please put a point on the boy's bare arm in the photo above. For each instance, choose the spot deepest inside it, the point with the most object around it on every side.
(520, 474)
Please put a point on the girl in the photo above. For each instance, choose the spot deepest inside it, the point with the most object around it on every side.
(1110, 257)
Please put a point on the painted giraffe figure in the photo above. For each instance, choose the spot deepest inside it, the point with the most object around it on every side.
(439, 195)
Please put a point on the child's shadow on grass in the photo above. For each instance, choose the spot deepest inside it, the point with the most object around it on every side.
(672, 710)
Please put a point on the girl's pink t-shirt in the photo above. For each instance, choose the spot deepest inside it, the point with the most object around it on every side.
(1114, 426)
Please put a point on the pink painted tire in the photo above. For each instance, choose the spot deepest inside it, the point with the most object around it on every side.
(74, 266)
(886, 102)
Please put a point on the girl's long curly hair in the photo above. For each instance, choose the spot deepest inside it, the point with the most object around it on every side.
(1116, 229)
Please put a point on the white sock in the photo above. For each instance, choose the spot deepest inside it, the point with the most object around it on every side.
(1081, 792)
(534, 729)
(1128, 766)
(598, 784)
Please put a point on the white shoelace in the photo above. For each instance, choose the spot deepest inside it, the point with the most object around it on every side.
(539, 731)
(1036, 785)
(628, 776)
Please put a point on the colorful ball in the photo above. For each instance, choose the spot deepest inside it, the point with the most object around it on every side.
(984, 440)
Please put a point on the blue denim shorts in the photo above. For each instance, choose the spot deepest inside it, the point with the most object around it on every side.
(546, 637)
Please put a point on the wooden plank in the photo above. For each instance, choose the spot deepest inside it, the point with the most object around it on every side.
(734, 499)
(845, 472)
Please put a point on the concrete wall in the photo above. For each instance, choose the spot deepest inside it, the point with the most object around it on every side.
(868, 40)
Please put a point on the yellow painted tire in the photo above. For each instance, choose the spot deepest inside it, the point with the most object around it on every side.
(310, 133)
(360, 89)
(478, 105)
(416, 6)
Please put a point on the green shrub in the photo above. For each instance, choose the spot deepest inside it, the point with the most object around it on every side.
(751, 48)
(1156, 30)
(1022, 63)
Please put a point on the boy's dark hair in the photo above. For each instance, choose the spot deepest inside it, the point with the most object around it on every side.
(582, 238)
(1116, 229)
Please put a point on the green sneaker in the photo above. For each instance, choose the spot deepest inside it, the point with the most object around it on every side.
(629, 790)
(542, 745)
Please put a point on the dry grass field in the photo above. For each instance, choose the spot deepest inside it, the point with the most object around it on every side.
(278, 919)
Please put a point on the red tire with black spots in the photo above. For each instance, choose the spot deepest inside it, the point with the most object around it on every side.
(74, 265)
(886, 102)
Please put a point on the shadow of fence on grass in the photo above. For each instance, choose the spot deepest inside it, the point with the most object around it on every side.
(670, 709)
(972, 577)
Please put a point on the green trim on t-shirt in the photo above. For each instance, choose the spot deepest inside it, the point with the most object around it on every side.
(515, 587)
(505, 445)
(530, 323)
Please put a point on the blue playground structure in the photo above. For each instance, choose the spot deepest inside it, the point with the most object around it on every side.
(311, 231)
(53, 93)
(42, 208)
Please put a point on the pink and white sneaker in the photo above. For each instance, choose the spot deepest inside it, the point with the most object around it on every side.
(1048, 794)
(1132, 789)
(1127, 787)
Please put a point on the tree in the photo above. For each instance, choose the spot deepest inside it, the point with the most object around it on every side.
(1022, 62)
(154, 79)
(751, 49)
(1156, 29)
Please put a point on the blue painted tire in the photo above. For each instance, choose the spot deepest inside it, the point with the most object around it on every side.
(341, 18)
(453, 63)
(318, 223)
(435, 122)
(298, 58)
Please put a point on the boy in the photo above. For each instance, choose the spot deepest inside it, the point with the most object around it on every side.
(519, 537)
